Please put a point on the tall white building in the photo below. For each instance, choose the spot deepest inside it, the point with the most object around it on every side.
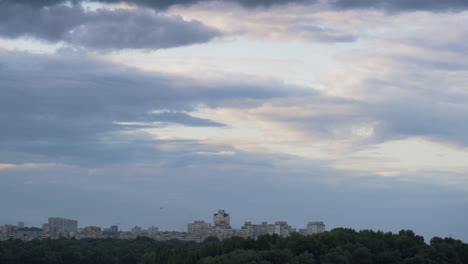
(152, 230)
(222, 220)
(282, 228)
(63, 224)
(136, 230)
(315, 228)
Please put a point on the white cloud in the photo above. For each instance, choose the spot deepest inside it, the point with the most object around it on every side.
(285, 22)
(30, 166)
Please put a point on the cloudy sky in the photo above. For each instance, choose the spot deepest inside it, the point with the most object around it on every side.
(353, 112)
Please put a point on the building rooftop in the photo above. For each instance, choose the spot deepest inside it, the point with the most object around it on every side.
(221, 212)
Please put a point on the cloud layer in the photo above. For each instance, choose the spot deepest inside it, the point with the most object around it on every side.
(103, 29)
(402, 5)
(141, 28)
(159, 4)
(390, 5)
(70, 101)
(384, 118)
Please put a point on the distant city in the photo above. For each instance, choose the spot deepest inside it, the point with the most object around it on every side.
(198, 231)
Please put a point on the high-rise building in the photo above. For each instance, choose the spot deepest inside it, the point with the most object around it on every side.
(63, 224)
(8, 229)
(136, 230)
(222, 220)
(255, 230)
(152, 230)
(282, 228)
(315, 228)
(114, 229)
(20, 225)
(111, 231)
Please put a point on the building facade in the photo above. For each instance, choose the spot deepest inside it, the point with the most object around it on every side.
(199, 228)
(221, 220)
(197, 231)
(315, 228)
(62, 224)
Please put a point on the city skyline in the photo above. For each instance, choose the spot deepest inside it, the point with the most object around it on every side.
(197, 231)
(160, 112)
(27, 224)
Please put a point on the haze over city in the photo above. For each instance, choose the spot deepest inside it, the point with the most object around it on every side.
(159, 113)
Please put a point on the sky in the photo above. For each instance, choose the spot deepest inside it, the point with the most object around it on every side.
(351, 112)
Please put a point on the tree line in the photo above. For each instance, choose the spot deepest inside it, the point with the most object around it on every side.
(338, 246)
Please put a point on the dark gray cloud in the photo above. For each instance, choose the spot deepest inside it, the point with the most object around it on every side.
(69, 103)
(46, 23)
(141, 28)
(167, 3)
(402, 5)
(389, 5)
(101, 29)
(436, 120)
(138, 29)
(162, 4)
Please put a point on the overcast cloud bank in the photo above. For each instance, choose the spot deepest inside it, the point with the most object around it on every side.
(391, 5)
(81, 136)
(102, 29)
(70, 102)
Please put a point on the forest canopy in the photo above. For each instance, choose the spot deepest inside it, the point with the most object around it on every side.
(341, 246)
